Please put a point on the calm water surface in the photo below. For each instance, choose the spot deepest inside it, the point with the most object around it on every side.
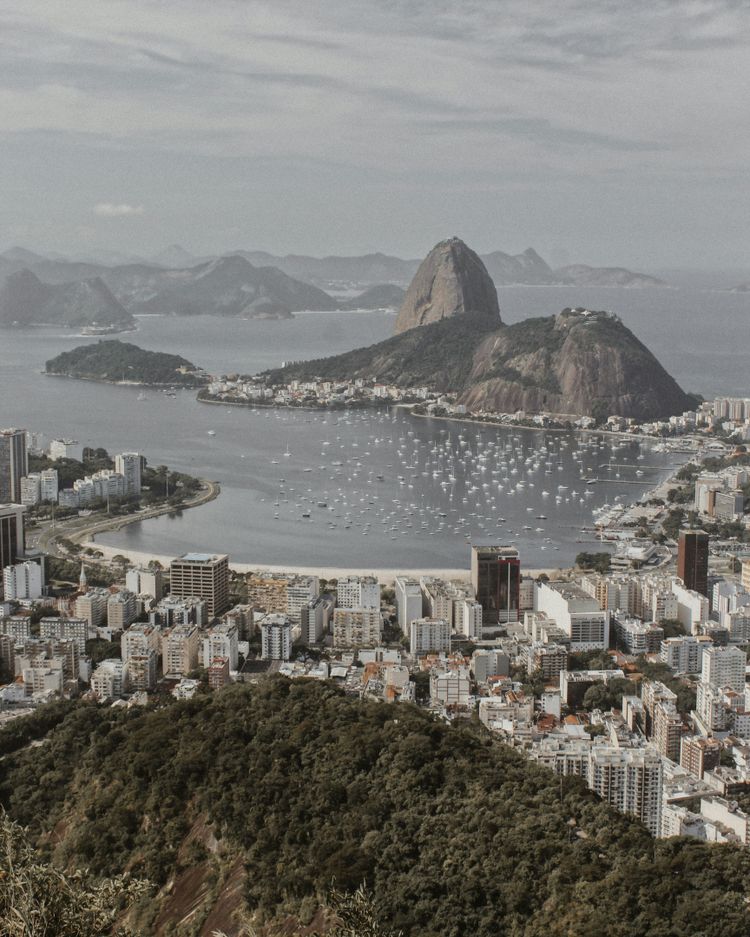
(419, 520)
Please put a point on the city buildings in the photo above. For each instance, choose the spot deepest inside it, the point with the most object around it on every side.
(70, 629)
(221, 641)
(692, 560)
(358, 592)
(496, 581)
(23, 581)
(630, 780)
(408, 602)
(684, 653)
(204, 576)
(145, 582)
(429, 635)
(179, 650)
(12, 544)
(276, 637)
(300, 591)
(14, 464)
(129, 465)
(724, 667)
(314, 619)
(576, 613)
(92, 606)
(357, 627)
(122, 609)
(65, 449)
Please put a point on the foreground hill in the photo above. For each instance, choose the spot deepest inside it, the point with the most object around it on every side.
(263, 796)
(25, 300)
(115, 361)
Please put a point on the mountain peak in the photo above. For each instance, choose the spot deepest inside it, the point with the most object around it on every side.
(451, 280)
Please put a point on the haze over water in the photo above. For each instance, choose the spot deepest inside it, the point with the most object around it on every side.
(699, 337)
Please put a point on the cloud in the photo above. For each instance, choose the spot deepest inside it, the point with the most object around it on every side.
(116, 210)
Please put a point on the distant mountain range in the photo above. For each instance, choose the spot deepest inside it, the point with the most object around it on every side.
(106, 291)
(25, 300)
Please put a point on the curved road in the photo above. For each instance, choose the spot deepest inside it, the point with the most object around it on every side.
(80, 529)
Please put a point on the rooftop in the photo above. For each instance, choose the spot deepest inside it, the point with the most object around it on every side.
(199, 558)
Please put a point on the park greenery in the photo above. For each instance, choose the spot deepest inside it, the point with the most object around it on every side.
(450, 831)
(158, 484)
(599, 562)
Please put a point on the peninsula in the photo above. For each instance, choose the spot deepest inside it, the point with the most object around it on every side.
(450, 338)
(118, 362)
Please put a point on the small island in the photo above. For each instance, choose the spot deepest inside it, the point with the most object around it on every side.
(117, 362)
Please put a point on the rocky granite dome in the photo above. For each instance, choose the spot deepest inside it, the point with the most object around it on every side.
(578, 362)
(450, 281)
(25, 300)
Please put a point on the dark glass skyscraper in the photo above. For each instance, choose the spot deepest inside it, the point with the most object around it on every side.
(13, 464)
(692, 560)
(496, 579)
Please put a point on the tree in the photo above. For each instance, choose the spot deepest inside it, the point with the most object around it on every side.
(600, 562)
(38, 900)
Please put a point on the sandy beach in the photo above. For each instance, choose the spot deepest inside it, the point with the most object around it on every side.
(386, 576)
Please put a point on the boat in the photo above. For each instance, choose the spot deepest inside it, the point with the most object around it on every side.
(211, 432)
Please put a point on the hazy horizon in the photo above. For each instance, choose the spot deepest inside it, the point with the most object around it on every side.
(609, 135)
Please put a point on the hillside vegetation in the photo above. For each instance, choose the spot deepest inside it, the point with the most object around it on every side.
(121, 361)
(438, 355)
(296, 788)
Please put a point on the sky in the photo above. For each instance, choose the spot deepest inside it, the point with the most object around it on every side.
(603, 132)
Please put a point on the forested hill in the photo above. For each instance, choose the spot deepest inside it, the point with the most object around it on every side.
(268, 795)
(116, 361)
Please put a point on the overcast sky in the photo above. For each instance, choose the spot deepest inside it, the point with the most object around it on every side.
(606, 132)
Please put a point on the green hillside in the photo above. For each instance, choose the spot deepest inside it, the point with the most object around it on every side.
(295, 787)
(114, 361)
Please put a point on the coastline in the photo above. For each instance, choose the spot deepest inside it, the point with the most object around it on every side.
(385, 576)
(86, 531)
(103, 380)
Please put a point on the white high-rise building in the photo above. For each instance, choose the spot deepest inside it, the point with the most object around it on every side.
(179, 650)
(684, 653)
(49, 485)
(221, 641)
(107, 681)
(358, 592)
(692, 607)
(724, 667)
(408, 602)
(314, 619)
(139, 639)
(31, 489)
(467, 615)
(300, 591)
(276, 637)
(427, 635)
(92, 606)
(22, 581)
(70, 629)
(629, 779)
(65, 449)
(145, 582)
(128, 464)
(357, 627)
(122, 609)
(578, 614)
